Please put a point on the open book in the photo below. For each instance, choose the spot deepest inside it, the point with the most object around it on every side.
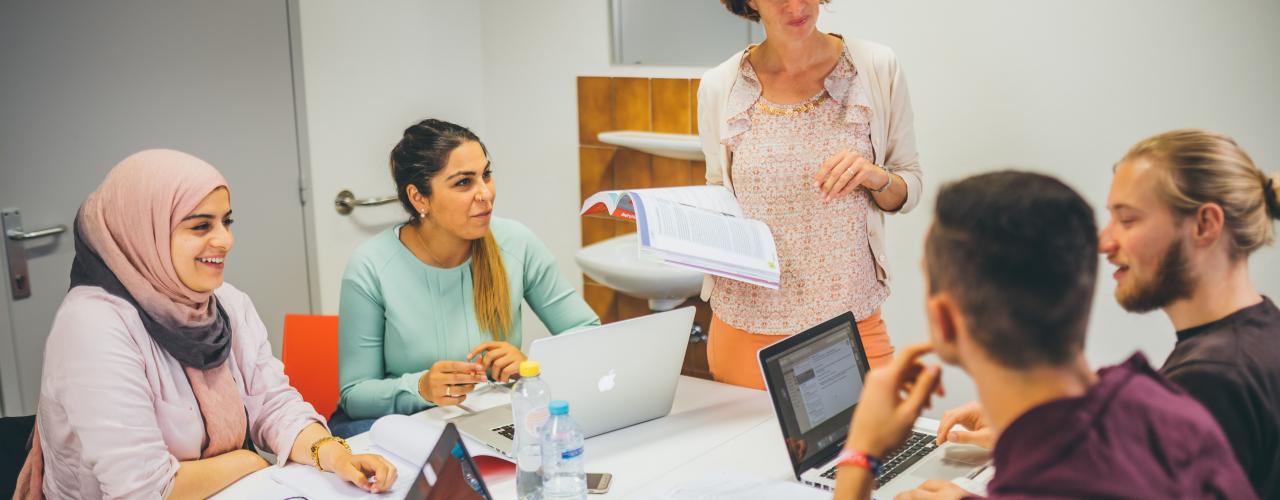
(405, 441)
(698, 227)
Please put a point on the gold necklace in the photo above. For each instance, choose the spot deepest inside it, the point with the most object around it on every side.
(806, 107)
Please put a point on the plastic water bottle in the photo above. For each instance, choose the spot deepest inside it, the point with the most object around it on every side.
(529, 400)
(468, 473)
(563, 476)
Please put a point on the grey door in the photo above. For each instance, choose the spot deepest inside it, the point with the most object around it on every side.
(85, 83)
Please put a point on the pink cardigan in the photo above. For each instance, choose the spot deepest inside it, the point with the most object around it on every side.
(117, 413)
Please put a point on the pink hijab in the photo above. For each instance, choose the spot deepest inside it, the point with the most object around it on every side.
(126, 225)
(128, 221)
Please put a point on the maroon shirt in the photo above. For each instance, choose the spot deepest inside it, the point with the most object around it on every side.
(1133, 435)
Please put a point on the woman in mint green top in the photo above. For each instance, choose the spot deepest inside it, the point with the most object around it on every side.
(421, 300)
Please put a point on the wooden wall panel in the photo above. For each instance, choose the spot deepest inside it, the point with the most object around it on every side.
(631, 307)
(669, 172)
(631, 108)
(601, 300)
(671, 106)
(595, 108)
(698, 172)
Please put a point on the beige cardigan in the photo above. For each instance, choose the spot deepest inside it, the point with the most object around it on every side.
(893, 135)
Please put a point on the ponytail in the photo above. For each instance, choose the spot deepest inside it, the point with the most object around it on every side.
(489, 287)
(1272, 195)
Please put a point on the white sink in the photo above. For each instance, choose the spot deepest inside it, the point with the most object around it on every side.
(678, 146)
(616, 263)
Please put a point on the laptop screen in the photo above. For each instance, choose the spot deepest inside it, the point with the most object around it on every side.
(449, 473)
(815, 380)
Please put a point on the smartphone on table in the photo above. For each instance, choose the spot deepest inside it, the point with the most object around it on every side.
(598, 482)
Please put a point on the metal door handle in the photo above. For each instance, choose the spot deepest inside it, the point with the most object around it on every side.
(345, 202)
(11, 221)
(17, 235)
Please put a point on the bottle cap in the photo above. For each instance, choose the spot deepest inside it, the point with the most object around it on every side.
(530, 368)
(559, 407)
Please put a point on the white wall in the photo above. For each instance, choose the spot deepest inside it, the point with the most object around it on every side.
(371, 69)
(1062, 87)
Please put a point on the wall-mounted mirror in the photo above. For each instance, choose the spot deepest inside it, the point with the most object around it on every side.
(677, 32)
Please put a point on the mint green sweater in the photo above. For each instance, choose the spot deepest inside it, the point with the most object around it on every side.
(398, 315)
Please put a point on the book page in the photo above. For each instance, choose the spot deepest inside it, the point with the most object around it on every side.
(711, 198)
(620, 204)
(669, 219)
(405, 441)
(315, 484)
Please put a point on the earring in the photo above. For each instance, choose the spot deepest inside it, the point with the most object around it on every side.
(422, 215)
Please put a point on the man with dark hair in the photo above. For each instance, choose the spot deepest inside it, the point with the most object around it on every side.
(1011, 264)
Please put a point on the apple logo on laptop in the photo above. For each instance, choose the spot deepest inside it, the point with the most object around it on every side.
(606, 382)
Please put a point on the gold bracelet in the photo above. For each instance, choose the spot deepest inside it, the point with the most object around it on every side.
(315, 448)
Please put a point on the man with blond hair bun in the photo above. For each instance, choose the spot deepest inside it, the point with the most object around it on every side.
(1188, 208)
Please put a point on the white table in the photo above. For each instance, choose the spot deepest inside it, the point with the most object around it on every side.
(711, 426)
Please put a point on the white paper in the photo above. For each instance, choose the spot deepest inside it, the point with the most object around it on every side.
(405, 441)
(314, 484)
(412, 438)
(712, 198)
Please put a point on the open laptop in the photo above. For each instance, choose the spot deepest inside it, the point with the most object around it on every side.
(613, 376)
(449, 474)
(815, 379)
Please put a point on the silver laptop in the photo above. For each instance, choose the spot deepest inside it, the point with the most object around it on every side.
(613, 376)
(815, 379)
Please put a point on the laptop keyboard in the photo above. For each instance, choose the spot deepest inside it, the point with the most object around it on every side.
(508, 431)
(901, 459)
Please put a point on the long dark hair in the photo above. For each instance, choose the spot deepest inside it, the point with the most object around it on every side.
(417, 158)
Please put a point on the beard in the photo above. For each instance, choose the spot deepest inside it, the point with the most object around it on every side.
(1172, 281)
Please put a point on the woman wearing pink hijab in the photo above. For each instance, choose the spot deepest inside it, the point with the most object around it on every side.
(158, 379)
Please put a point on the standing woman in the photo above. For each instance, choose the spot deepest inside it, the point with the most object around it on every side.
(158, 378)
(432, 307)
(813, 134)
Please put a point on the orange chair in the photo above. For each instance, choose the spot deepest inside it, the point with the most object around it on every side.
(310, 357)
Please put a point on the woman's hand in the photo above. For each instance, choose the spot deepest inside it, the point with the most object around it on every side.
(501, 359)
(448, 382)
(972, 417)
(367, 471)
(846, 171)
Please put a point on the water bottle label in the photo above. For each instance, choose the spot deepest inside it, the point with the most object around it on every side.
(534, 419)
(574, 453)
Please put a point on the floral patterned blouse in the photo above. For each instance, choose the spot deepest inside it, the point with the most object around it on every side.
(826, 262)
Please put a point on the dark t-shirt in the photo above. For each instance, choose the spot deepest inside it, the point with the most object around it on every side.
(1133, 435)
(1232, 366)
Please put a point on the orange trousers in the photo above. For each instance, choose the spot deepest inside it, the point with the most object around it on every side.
(732, 353)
